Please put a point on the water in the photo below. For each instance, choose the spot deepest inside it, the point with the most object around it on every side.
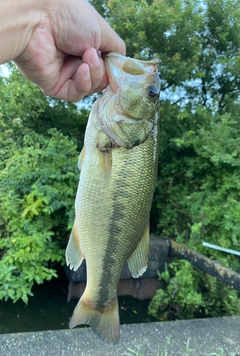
(49, 310)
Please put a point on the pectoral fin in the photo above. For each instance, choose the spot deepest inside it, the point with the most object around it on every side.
(105, 161)
(137, 262)
(74, 256)
(81, 158)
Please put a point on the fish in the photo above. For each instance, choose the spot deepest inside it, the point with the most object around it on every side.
(118, 172)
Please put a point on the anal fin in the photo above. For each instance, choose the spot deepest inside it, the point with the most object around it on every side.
(137, 262)
(74, 256)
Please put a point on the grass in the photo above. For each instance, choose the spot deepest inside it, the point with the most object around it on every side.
(137, 347)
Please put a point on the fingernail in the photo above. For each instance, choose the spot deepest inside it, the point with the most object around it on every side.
(94, 61)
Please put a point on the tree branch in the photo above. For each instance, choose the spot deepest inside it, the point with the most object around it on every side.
(214, 268)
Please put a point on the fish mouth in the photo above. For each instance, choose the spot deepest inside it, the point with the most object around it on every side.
(118, 66)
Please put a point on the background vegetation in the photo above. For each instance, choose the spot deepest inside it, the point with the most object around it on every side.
(39, 137)
(198, 192)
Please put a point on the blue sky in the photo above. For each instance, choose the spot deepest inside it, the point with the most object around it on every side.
(3, 70)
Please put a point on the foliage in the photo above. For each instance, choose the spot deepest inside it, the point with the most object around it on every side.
(198, 193)
(187, 292)
(38, 182)
(24, 102)
(37, 189)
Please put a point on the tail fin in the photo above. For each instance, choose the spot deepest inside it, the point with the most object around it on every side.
(104, 322)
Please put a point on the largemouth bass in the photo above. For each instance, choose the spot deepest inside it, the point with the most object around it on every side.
(118, 176)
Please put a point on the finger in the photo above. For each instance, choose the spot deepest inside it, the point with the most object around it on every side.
(99, 78)
(69, 68)
(80, 77)
(76, 88)
(89, 78)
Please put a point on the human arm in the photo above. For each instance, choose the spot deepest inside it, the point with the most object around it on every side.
(54, 43)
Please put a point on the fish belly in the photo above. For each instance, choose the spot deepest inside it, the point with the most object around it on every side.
(112, 215)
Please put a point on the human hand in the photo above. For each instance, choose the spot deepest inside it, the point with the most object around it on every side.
(61, 56)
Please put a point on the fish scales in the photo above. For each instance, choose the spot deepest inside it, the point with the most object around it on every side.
(117, 208)
(112, 214)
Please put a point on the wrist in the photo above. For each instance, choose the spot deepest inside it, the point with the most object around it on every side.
(18, 20)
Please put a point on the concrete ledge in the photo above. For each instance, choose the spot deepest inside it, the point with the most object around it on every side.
(141, 288)
(190, 337)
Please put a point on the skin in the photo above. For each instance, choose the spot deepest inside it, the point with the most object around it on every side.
(57, 44)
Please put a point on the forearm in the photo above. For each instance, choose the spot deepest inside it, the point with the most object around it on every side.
(18, 19)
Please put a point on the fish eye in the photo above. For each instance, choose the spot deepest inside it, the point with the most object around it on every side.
(152, 92)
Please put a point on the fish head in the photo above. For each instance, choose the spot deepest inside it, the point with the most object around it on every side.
(135, 85)
(127, 112)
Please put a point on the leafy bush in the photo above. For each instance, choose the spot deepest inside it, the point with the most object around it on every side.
(198, 199)
(188, 293)
(22, 101)
(39, 140)
(37, 192)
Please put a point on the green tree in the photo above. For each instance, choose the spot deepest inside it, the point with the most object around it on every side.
(198, 193)
(37, 191)
(24, 102)
(39, 142)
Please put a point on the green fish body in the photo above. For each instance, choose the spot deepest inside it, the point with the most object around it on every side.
(118, 176)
